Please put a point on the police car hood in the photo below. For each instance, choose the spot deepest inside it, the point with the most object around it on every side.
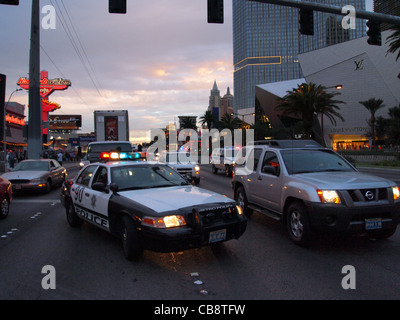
(173, 198)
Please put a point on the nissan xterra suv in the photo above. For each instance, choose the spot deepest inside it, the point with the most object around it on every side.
(311, 188)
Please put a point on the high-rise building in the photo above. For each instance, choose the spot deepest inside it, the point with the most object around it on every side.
(214, 104)
(266, 42)
(391, 7)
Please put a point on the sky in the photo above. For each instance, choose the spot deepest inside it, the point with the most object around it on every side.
(159, 61)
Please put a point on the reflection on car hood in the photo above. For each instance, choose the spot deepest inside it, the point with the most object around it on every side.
(173, 198)
(344, 180)
(28, 175)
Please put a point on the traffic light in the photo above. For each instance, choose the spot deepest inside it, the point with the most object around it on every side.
(117, 6)
(306, 21)
(374, 33)
(11, 2)
(215, 11)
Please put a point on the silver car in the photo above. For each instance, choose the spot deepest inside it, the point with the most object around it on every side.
(40, 174)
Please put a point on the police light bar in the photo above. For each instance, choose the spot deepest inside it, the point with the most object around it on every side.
(111, 156)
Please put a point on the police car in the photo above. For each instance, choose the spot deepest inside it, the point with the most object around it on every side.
(150, 207)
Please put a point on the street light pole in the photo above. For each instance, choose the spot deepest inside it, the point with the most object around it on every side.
(35, 101)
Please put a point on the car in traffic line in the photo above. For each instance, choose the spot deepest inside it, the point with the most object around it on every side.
(224, 159)
(313, 189)
(36, 174)
(181, 162)
(149, 206)
(5, 197)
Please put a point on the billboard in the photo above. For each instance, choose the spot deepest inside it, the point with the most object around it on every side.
(65, 122)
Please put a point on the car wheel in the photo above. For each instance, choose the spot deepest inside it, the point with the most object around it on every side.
(241, 198)
(4, 208)
(214, 169)
(48, 186)
(130, 240)
(72, 218)
(228, 171)
(298, 225)
(196, 180)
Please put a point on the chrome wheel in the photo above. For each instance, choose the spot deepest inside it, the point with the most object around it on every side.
(296, 225)
(5, 208)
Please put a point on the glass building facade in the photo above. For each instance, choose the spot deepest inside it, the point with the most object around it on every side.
(266, 42)
(391, 7)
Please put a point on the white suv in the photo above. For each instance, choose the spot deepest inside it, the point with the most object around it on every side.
(311, 188)
(181, 162)
(224, 159)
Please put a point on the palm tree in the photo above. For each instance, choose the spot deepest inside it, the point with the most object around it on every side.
(307, 100)
(207, 118)
(187, 123)
(229, 122)
(373, 105)
(394, 40)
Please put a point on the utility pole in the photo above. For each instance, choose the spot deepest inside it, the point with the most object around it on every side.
(35, 100)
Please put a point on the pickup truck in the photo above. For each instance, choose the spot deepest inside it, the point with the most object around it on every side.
(313, 189)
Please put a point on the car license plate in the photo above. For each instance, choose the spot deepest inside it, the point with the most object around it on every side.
(216, 236)
(371, 224)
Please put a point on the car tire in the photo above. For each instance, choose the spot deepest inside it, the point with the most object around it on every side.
(48, 186)
(241, 198)
(72, 218)
(228, 171)
(4, 208)
(130, 240)
(196, 180)
(298, 225)
(214, 169)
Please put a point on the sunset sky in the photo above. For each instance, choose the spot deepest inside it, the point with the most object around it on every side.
(158, 61)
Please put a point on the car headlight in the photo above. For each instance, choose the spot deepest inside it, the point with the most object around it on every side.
(239, 210)
(396, 193)
(196, 168)
(164, 222)
(328, 196)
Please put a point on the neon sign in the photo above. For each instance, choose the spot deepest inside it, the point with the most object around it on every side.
(15, 120)
(47, 86)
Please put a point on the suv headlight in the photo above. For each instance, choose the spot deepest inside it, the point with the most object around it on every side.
(396, 193)
(328, 196)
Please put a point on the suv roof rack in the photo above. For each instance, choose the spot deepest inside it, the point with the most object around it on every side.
(289, 143)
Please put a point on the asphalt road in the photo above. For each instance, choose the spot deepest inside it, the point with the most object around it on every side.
(262, 265)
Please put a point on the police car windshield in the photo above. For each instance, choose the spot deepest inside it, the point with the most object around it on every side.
(308, 160)
(144, 177)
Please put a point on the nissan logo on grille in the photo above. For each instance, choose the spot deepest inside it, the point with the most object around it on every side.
(369, 195)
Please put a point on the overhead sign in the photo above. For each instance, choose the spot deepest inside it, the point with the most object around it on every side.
(65, 122)
(47, 86)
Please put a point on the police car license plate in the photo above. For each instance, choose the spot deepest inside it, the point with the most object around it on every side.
(216, 236)
(371, 224)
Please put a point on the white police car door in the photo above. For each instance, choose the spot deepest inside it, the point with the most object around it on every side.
(91, 205)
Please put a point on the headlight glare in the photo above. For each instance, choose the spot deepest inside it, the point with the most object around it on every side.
(164, 222)
(396, 193)
(239, 210)
(328, 196)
